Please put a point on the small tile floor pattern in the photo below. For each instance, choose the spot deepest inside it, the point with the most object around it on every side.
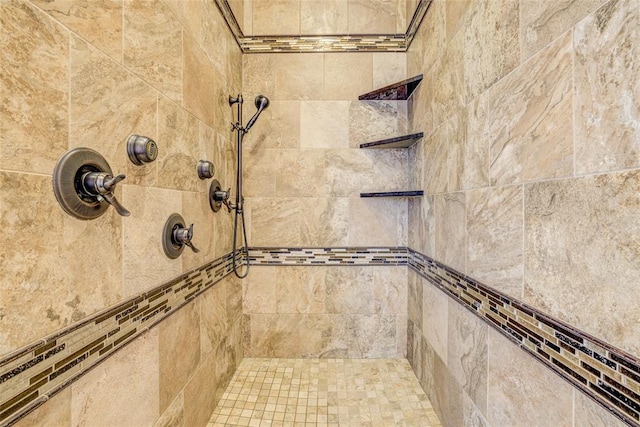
(324, 392)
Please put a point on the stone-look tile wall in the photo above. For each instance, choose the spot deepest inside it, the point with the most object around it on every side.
(530, 171)
(77, 74)
(309, 17)
(325, 312)
(303, 175)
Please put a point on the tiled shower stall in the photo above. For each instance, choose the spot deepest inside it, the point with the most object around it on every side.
(510, 286)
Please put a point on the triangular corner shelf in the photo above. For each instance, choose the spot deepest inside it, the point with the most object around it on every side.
(404, 141)
(400, 91)
(417, 193)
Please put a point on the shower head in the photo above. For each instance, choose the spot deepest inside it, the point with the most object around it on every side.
(262, 102)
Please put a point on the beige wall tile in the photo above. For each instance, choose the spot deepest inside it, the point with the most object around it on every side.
(275, 222)
(99, 22)
(324, 124)
(519, 389)
(73, 91)
(433, 29)
(448, 75)
(421, 223)
(347, 75)
(390, 291)
(178, 146)
(372, 336)
(348, 172)
(415, 52)
(151, 208)
(350, 290)
(420, 108)
(122, 381)
(435, 318)
(390, 169)
(276, 17)
(108, 104)
(607, 119)
(34, 57)
(299, 76)
(457, 13)
(214, 325)
(541, 22)
(476, 146)
(259, 74)
(278, 126)
(374, 120)
(447, 396)
(495, 237)
(260, 166)
(467, 353)
(324, 221)
(259, 290)
(450, 229)
(219, 45)
(388, 68)
(414, 300)
(587, 413)
(237, 7)
(299, 335)
(234, 301)
(324, 17)
(531, 118)
(368, 227)
(179, 351)
(367, 14)
(173, 416)
(153, 45)
(57, 412)
(300, 290)
(44, 269)
(200, 393)
(581, 256)
(247, 28)
(300, 173)
(491, 46)
(198, 83)
(471, 414)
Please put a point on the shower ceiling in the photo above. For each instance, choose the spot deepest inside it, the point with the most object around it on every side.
(261, 26)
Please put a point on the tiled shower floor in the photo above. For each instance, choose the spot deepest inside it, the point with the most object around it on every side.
(324, 392)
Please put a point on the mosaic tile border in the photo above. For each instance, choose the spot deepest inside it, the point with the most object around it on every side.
(608, 375)
(329, 43)
(341, 256)
(32, 375)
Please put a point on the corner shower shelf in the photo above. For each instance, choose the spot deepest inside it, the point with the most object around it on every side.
(404, 141)
(417, 193)
(400, 91)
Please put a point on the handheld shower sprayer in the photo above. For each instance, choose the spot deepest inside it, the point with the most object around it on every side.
(262, 102)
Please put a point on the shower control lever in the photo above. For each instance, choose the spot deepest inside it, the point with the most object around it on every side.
(183, 236)
(223, 197)
(175, 236)
(101, 186)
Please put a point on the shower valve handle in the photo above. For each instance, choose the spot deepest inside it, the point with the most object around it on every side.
(223, 197)
(101, 185)
(183, 236)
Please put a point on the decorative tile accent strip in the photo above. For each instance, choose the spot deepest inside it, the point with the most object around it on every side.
(338, 43)
(329, 43)
(32, 375)
(328, 256)
(606, 374)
